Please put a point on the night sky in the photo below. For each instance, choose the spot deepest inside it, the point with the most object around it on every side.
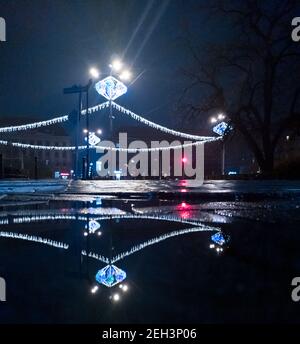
(51, 44)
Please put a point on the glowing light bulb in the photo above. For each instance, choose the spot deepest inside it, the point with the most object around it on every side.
(116, 297)
(116, 65)
(94, 72)
(125, 75)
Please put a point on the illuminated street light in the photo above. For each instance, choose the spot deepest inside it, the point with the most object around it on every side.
(84, 131)
(221, 116)
(125, 75)
(94, 289)
(116, 297)
(99, 131)
(116, 65)
(94, 72)
(213, 120)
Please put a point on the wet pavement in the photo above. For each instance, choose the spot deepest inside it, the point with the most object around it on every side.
(213, 187)
(175, 270)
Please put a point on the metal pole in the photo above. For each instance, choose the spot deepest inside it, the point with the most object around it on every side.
(110, 113)
(77, 136)
(110, 119)
(223, 158)
(87, 135)
(35, 168)
(1, 166)
(83, 168)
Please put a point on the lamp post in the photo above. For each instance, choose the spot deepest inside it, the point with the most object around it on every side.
(215, 120)
(116, 67)
(70, 90)
(88, 130)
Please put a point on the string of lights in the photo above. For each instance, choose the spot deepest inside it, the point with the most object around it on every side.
(156, 240)
(96, 108)
(52, 121)
(109, 148)
(96, 256)
(34, 238)
(156, 149)
(39, 147)
(35, 125)
(160, 127)
(156, 218)
(149, 242)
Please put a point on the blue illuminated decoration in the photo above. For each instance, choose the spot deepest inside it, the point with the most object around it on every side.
(218, 238)
(220, 128)
(110, 88)
(93, 139)
(110, 275)
(93, 226)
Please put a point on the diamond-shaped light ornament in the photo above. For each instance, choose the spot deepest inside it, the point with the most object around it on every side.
(110, 275)
(218, 238)
(110, 88)
(221, 128)
(93, 226)
(93, 139)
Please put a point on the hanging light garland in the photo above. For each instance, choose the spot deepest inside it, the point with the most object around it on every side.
(158, 126)
(96, 108)
(143, 245)
(115, 149)
(52, 121)
(25, 145)
(156, 240)
(155, 218)
(35, 125)
(33, 238)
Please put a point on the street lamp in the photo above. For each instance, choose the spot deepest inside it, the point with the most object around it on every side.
(125, 75)
(218, 119)
(116, 65)
(94, 72)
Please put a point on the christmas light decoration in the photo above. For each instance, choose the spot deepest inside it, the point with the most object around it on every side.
(159, 127)
(35, 125)
(220, 239)
(39, 147)
(93, 139)
(96, 108)
(110, 88)
(143, 245)
(156, 218)
(221, 128)
(156, 240)
(52, 121)
(34, 238)
(96, 256)
(110, 275)
(93, 226)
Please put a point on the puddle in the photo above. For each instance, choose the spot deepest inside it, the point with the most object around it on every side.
(122, 261)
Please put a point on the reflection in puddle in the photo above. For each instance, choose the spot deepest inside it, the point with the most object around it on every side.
(90, 237)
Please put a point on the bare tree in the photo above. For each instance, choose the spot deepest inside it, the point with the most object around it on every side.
(254, 76)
